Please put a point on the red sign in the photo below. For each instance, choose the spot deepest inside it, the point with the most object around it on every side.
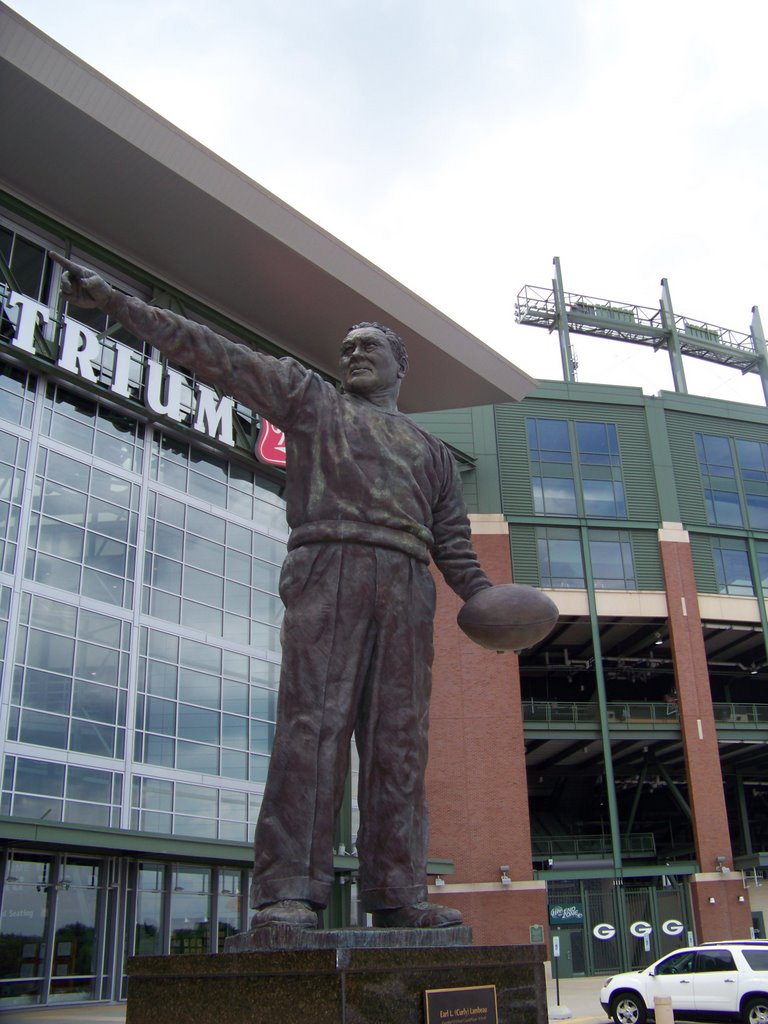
(271, 445)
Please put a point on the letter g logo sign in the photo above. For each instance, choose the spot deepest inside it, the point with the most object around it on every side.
(604, 931)
(640, 928)
(672, 927)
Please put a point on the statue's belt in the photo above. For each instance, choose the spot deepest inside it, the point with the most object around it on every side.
(347, 531)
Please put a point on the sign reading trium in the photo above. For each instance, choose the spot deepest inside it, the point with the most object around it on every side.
(475, 1005)
(123, 371)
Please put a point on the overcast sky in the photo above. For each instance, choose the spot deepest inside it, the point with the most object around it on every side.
(461, 144)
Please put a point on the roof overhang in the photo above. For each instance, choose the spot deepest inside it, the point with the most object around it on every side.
(91, 156)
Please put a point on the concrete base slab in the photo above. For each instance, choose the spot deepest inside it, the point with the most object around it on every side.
(330, 986)
(559, 1012)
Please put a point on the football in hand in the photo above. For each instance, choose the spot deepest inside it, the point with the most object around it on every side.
(508, 617)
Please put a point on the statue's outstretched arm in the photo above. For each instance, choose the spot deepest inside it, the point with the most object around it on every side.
(267, 385)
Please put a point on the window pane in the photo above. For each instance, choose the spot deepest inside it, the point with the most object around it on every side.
(44, 730)
(612, 566)
(198, 724)
(604, 498)
(42, 777)
(715, 455)
(94, 702)
(732, 567)
(723, 507)
(549, 440)
(753, 459)
(757, 506)
(598, 443)
(558, 496)
(47, 692)
(161, 716)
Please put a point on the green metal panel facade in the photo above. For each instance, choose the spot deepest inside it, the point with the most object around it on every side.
(471, 433)
(628, 414)
(634, 444)
(659, 461)
(525, 563)
(682, 427)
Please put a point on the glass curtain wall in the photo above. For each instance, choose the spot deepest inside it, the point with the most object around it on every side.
(140, 647)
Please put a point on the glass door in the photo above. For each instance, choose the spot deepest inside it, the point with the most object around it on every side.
(191, 910)
(24, 914)
(76, 966)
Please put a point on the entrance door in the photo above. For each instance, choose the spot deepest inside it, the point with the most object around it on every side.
(23, 930)
(571, 962)
(76, 964)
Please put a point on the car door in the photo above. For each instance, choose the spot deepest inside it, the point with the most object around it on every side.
(674, 977)
(716, 981)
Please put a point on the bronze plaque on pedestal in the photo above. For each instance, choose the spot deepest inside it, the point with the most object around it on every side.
(476, 1005)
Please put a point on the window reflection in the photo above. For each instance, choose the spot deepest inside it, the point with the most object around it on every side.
(230, 904)
(732, 566)
(150, 898)
(579, 474)
(23, 921)
(561, 564)
(71, 678)
(191, 911)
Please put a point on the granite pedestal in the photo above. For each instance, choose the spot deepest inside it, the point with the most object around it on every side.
(366, 979)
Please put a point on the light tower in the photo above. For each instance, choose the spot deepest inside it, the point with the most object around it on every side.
(567, 312)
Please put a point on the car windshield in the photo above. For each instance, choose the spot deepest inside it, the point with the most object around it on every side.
(756, 958)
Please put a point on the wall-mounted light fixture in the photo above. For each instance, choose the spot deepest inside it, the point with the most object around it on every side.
(742, 899)
(439, 881)
(712, 899)
(720, 865)
(505, 879)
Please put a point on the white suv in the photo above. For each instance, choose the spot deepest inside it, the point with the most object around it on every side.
(714, 981)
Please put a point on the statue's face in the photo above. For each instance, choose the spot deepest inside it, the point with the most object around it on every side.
(368, 365)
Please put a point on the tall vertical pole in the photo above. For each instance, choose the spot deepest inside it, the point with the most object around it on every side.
(758, 342)
(602, 703)
(673, 343)
(566, 353)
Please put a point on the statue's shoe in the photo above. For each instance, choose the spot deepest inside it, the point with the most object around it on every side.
(295, 913)
(420, 915)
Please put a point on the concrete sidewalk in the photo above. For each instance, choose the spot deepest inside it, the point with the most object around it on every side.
(98, 1013)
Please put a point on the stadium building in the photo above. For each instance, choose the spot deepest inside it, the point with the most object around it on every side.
(610, 783)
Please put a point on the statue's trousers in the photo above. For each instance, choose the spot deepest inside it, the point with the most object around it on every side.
(357, 657)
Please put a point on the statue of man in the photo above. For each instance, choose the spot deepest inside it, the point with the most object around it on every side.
(370, 497)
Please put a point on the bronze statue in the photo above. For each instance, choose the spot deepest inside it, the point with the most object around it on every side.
(370, 496)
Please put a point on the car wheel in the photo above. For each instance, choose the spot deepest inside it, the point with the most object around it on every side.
(755, 1010)
(629, 1008)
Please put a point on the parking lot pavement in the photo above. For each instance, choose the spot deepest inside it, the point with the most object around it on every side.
(580, 997)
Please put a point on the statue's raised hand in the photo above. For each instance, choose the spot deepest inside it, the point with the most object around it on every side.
(80, 286)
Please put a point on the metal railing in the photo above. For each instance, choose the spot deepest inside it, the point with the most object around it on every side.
(736, 715)
(559, 713)
(626, 714)
(641, 844)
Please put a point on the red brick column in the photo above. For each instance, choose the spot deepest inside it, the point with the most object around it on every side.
(478, 796)
(714, 896)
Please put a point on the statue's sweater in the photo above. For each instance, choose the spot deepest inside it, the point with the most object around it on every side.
(355, 472)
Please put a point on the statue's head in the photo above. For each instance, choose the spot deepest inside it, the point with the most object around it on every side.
(395, 341)
(372, 362)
